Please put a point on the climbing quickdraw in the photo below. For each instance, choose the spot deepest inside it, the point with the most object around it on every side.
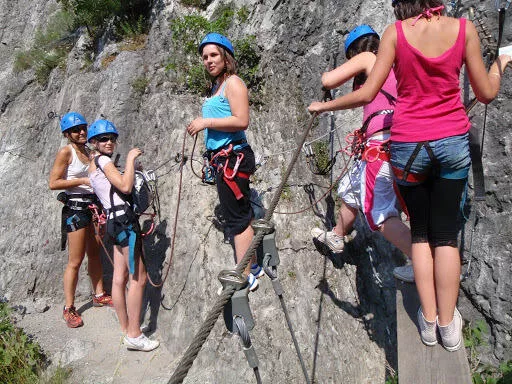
(208, 172)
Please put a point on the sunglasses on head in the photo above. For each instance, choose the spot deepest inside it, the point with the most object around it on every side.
(78, 129)
(104, 139)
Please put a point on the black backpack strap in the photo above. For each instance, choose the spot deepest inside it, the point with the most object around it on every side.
(366, 123)
(389, 96)
(112, 188)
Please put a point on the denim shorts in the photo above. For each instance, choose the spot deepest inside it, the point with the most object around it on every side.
(451, 154)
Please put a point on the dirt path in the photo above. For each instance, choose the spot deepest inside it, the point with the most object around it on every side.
(95, 352)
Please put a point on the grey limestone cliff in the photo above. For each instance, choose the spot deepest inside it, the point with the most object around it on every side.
(342, 308)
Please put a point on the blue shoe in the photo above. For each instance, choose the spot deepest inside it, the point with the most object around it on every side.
(253, 282)
(257, 271)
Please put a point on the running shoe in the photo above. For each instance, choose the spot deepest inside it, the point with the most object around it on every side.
(102, 301)
(404, 273)
(329, 238)
(451, 334)
(141, 343)
(427, 329)
(72, 318)
(257, 271)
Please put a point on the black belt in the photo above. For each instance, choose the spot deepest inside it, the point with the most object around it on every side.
(78, 205)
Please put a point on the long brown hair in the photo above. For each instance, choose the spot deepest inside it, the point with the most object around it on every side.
(405, 9)
(368, 43)
(230, 68)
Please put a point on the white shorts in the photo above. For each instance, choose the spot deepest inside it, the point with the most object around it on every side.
(370, 187)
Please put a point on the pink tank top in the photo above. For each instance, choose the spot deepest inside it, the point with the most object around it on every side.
(429, 103)
(383, 101)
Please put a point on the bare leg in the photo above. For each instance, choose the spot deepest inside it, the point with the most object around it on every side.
(346, 218)
(94, 267)
(242, 243)
(76, 254)
(397, 233)
(135, 296)
(447, 280)
(423, 265)
(119, 285)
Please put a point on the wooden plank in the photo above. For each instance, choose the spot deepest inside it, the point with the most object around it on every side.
(418, 363)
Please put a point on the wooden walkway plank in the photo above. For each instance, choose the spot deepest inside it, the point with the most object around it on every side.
(418, 363)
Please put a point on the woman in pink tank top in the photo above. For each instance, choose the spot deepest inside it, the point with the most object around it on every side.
(369, 185)
(430, 147)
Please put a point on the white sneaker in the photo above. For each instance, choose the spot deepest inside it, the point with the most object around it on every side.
(404, 273)
(141, 343)
(257, 271)
(451, 334)
(253, 282)
(329, 238)
(427, 329)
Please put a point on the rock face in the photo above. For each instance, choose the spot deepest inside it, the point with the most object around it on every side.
(342, 309)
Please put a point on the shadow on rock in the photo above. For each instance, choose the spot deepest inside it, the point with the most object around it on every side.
(155, 247)
(375, 289)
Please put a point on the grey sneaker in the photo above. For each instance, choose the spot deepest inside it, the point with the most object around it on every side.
(451, 334)
(141, 343)
(329, 238)
(427, 329)
(404, 273)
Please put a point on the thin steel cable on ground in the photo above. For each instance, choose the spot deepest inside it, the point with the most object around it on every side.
(199, 339)
(295, 343)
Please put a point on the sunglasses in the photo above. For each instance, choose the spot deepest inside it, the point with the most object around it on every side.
(104, 139)
(78, 129)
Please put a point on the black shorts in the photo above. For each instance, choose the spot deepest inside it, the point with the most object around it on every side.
(75, 219)
(237, 213)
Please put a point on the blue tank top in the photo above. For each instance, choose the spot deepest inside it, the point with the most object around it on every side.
(218, 107)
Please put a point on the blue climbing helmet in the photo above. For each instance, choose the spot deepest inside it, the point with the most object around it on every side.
(101, 127)
(70, 120)
(217, 39)
(356, 33)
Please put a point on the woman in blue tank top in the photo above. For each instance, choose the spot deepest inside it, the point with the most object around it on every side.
(225, 117)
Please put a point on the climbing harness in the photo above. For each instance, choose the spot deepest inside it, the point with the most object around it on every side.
(357, 140)
(75, 202)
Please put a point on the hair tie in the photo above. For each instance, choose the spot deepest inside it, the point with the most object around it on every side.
(428, 13)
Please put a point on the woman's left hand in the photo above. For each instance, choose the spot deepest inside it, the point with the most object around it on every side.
(196, 126)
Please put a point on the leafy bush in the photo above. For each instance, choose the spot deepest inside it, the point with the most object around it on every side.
(187, 32)
(201, 4)
(322, 158)
(50, 48)
(139, 84)
(129, 17)
(474, 336)
(20, 358)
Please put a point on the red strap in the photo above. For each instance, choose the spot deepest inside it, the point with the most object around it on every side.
(234, 186)
(411, 177)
